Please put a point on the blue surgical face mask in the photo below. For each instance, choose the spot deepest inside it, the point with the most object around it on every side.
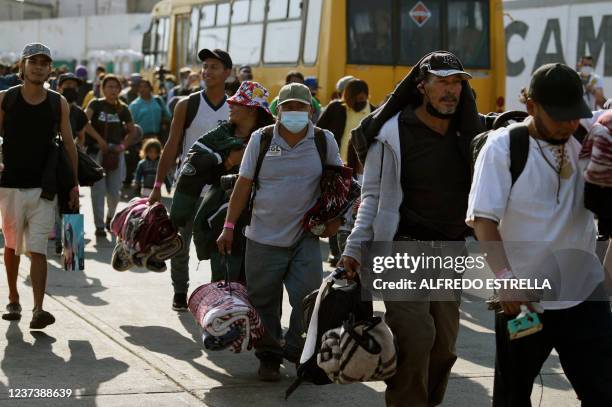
(294, 121)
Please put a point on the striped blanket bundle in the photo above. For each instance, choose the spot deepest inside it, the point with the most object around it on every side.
(227, 318)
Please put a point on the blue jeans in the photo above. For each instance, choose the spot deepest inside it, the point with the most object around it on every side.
(179, 264)
(108, 187)
(300, 269)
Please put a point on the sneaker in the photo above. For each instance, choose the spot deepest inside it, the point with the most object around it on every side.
(269, 370)
(107, 224)
(179, 303)
(41, 319)
(100, 232)
(13, 312)
(156, 265)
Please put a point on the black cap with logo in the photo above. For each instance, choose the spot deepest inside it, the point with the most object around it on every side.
(219, 54)
(443, 64)
(559, 90)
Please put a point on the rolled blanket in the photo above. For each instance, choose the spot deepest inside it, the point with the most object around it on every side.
(358, 352)
(599, 168)
(339, 191)
(218, 308)
(212, 342)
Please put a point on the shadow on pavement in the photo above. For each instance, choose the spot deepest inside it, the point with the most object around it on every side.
(169, 342)
(36, 366)
(76, 284)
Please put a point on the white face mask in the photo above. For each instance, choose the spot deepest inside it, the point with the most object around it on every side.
(586, 70)
(294, 121)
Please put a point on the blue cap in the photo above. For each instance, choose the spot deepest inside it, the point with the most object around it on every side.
(311, 82)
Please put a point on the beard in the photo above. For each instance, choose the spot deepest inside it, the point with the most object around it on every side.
(556, 139)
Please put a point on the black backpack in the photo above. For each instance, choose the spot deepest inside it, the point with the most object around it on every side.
(264, 144)
(339, 305)
(519, 140)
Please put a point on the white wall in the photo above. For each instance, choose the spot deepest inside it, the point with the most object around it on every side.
(94, 38)
(534, 21)
(78, 8)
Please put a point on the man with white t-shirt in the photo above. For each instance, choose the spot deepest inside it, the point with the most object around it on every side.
(544, 208)
(212, 110)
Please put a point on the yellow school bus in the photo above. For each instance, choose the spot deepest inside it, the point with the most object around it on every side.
(374, 40)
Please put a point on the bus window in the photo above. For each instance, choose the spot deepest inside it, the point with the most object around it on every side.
(420, 30)
(277, 9)
(240, 12)
(313, 23)
(215, 35)
(208, 16)
(182, 23)
(162, 36)
(148, 46)
(258, 10)
(213, 38)
(468, 32)
(223, 14)
(192, 49)
(369, 32)
(246, 39)
(295, 8)
(245, 51)
(283, 33)
(283, 42)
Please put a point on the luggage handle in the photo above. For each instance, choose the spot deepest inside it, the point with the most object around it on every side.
(225, 263)
(366, 341)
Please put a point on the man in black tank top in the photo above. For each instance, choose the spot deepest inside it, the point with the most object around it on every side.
(29, 122)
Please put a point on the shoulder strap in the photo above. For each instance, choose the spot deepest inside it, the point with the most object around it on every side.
(264, 145)
(56, 107)
(321, 143)
(10, 98)
(519, 150)
(193, 104)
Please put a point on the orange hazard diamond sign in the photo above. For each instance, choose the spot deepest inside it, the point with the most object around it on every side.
(420, 14)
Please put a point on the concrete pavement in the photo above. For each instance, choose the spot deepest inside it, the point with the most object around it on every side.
(117, 342)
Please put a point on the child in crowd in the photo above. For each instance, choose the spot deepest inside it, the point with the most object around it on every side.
(147, 166)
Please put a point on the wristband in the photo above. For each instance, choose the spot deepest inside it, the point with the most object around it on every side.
(76, 188)
(122, 147)
(157, 184)
(504, 274)
(228, 225)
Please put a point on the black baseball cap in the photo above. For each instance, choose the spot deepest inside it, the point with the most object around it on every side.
(69, 76)
(219, 54)
(443, 64)
(558, 88)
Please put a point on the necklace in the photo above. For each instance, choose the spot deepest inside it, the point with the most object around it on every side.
(557, 171)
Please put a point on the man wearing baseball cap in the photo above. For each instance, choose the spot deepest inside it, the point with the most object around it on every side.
(415, 188)
(29, 116)
(278, 251)
(210, 109)
(545, 209)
